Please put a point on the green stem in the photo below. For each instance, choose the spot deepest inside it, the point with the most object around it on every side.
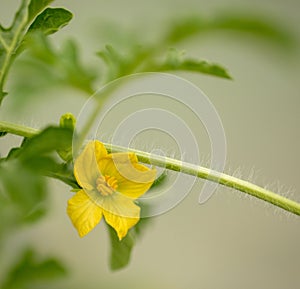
(10, 48)
(214, 176)
(186, 168)
(18, 129)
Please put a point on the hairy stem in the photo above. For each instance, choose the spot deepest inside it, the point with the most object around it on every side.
(186, 168)
(18, 129)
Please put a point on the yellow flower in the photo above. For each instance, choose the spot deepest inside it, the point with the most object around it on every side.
(110, 185)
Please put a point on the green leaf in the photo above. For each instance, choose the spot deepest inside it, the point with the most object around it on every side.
(12, 38)
(23, 192)
(50, 139)
(116, 62)
(50, 67)
(30, 271)
(51, 20)
(252, 24)
(120, 250)
(159, 181)
(22, 195)
(36, 154)
(176, 62)
(184, 28)
(76, 74)
(241, 23)
(120, 253)
(143, 60)
(121, 64)
(202, 66)
(35, 7)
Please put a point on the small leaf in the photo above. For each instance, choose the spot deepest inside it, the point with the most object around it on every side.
(176, 62)
(76, 74)
(29, 271)
(121, 64)
(203, 67)
(159, 181)
(12, 39)
(51, 67)
(35, 7)
(51, 20)
(49, 140)
(120, 250)
(36, 154)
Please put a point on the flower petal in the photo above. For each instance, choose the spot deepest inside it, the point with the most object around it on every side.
(85, 167)
(121, 213)
(83, 212)
(133, 178)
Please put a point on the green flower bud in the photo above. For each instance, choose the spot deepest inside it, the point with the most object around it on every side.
(67, 120)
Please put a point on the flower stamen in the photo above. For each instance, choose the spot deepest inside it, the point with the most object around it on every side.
(106, 185)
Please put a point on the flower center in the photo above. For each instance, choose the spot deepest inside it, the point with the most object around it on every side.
(106, 185)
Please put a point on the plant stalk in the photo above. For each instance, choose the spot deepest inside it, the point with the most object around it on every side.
(183, 167)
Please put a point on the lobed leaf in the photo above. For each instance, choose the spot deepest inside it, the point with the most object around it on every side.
(49, 66)
(12, 38)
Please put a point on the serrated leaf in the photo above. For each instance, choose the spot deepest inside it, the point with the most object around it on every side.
(50, 67)
(76, 74)
(175, 61)
(29, 271)
(116, 62)
(203, 67)
(121, 64)
(51, 20)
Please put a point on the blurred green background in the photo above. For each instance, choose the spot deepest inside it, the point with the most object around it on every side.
(232, 241)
